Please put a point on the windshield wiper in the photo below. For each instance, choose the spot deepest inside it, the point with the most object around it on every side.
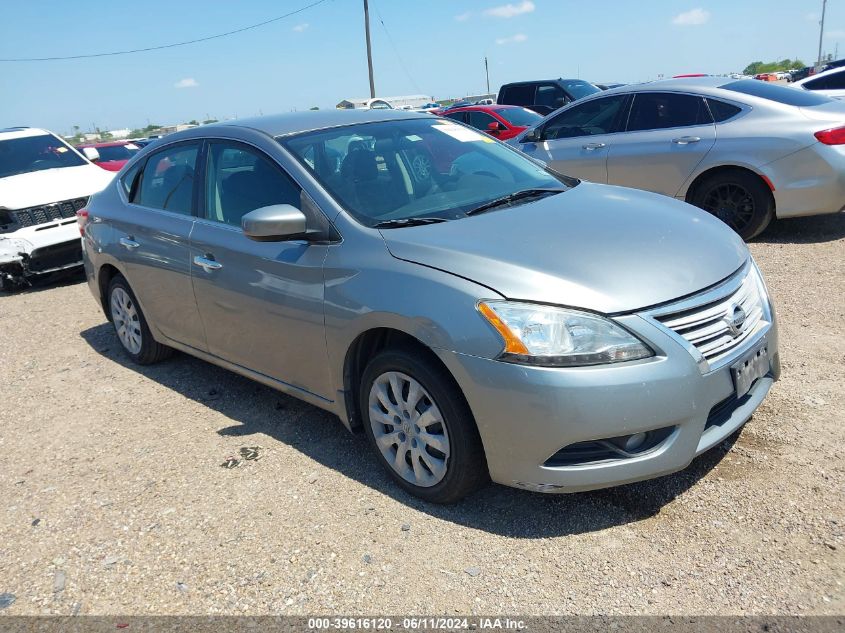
(513, 197)
(399, 223)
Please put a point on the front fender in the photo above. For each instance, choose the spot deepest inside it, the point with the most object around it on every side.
(432, 306)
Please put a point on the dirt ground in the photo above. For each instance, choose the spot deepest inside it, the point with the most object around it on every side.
(115, 501)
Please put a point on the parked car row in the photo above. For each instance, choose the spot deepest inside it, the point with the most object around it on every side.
(430, 285)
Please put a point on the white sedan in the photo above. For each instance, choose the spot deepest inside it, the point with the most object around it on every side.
(830, 83)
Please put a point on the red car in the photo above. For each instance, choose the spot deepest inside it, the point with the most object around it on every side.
(113, 154)
(501, 121)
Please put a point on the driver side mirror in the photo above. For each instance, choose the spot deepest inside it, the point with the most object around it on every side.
(534, 135)
(91, 154)
(276, 223)
(495, 127)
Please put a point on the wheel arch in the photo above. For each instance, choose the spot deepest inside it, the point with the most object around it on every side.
(105, 274)
(717, 169)
(364, 348)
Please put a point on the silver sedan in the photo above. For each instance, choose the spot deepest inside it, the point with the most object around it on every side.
(746, 151)
(475, 314)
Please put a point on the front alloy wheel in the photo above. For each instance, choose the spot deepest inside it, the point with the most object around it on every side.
(420, 425)
(409, 429)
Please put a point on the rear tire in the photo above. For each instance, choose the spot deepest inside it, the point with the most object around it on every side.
(739, 198)
(131, 327)
(424, 435)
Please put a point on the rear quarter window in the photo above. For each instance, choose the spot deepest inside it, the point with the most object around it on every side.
(722, 111)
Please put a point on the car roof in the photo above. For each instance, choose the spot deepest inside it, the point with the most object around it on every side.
(542, 81)
(485, 107)
(105, 143)
(680, 83)
(295, 122)
(21, 132)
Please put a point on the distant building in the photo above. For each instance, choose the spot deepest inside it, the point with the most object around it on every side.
(398, 103)
(122, 133)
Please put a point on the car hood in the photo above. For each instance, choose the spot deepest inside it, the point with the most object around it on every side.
(51, 185)
(603, 248)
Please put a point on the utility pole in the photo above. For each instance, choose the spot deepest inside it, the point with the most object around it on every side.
(821, 35)
(487, 72)
(369, 48)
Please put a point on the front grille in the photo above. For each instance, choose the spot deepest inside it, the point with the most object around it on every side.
(42, 214)
(711, 327)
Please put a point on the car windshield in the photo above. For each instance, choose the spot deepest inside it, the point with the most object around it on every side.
(579, 89)
(35, 153)
(117, 152)
(779, 94)
(416, 168)
(518, 116)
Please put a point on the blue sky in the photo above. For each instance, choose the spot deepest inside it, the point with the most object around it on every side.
(317, 57)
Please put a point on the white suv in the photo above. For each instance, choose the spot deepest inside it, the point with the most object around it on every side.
(43, 183)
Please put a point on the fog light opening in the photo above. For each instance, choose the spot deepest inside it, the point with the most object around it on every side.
(635, 441)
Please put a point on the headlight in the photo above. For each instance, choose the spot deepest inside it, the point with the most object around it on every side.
(545, 335)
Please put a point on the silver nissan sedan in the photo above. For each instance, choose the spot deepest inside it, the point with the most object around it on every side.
(478, 315)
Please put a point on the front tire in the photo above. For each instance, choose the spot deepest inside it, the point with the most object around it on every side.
(420, 427)
(131, 326)
(739, 198)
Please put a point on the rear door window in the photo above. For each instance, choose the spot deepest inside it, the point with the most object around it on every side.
(551, 96)
(457, 116)
(521, 94)
(480, 120)
(167, 182)
(662, 110)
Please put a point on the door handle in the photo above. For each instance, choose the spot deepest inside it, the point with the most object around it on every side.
(593, 146)
(207, 264)
(128, 243)
(686, 140)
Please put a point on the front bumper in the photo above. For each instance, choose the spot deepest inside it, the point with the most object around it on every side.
(40, 250)
(525, 415)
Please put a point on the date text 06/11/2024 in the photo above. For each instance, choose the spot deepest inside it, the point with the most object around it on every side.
(415, 623)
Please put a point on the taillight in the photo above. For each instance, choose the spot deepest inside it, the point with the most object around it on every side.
(82, 220)
(833, 136)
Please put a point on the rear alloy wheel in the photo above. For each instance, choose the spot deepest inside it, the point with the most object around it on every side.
(131, 326)
(739, 199)
(421, 427)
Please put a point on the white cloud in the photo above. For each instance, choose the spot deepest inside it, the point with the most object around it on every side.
(513, 39)
(463, 17)
(693, 17)
(188, 82)
(835, 34)
(510, 10)
(299, 28)
(812, 17)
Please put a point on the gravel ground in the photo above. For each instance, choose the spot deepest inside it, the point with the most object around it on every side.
(115, 500)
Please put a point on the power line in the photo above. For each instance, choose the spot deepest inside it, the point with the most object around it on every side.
(395, 50)
(163, 46)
